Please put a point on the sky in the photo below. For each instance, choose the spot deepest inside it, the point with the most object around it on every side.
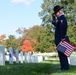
(16, 14)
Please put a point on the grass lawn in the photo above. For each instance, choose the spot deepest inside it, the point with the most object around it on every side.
(44, 68)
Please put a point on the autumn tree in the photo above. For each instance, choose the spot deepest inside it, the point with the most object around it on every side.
(2, 41)
(28, 45)
(2, 36)
(42, 38)
(44, 34)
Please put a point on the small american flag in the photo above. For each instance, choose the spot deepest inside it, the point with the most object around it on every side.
(69, 48)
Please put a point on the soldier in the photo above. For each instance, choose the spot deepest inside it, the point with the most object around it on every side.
(60, 34)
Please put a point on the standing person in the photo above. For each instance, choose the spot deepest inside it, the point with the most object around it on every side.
(60, 34)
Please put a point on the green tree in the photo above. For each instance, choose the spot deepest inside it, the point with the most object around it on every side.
(47, 10)
(46, 16)
(11, 42)
(69, 10)
(44, 33)
(44, 37)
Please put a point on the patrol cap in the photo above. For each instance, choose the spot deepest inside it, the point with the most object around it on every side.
(57, 8)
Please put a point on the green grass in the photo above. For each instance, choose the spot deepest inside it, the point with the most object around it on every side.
(44, 68)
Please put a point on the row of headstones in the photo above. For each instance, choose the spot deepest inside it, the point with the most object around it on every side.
(19, 57)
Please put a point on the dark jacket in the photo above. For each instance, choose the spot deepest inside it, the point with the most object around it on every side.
(60, 29)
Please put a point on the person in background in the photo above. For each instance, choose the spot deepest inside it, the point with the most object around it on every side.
(60, 34)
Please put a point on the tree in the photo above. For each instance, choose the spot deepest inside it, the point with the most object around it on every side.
(11, 42)
(47, 10)
(2, 36)
(45, 39)
(2, 41)
(20, 30)
(34, 43)
(42, 38)
(69, 10)
(26, 47)
(72, 33)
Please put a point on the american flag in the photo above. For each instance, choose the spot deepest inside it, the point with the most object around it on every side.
(69, 47)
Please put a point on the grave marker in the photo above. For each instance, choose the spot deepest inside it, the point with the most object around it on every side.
(10, 55)
(17, 56)
(2, 56)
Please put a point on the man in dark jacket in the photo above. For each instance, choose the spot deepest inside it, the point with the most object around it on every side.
(60, 34)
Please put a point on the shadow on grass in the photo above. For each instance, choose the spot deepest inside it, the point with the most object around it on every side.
(44, 68)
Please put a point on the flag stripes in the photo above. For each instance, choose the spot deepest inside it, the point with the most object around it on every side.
(69, 48)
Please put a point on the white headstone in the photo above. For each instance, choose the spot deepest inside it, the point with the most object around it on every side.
(21, 57)
(25, 57)
(73, 61)
(10, 55)
(36, 59)
(28, 57)
(2, 57)
(33, 58)
(17, 56)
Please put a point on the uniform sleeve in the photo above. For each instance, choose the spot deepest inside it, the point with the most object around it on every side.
(54, 23)
(63, 28)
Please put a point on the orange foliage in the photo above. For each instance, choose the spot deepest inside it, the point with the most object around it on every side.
(27, 46)
(34, 41)
(2, 37)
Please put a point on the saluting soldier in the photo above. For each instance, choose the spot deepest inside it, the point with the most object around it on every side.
(60, 34)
